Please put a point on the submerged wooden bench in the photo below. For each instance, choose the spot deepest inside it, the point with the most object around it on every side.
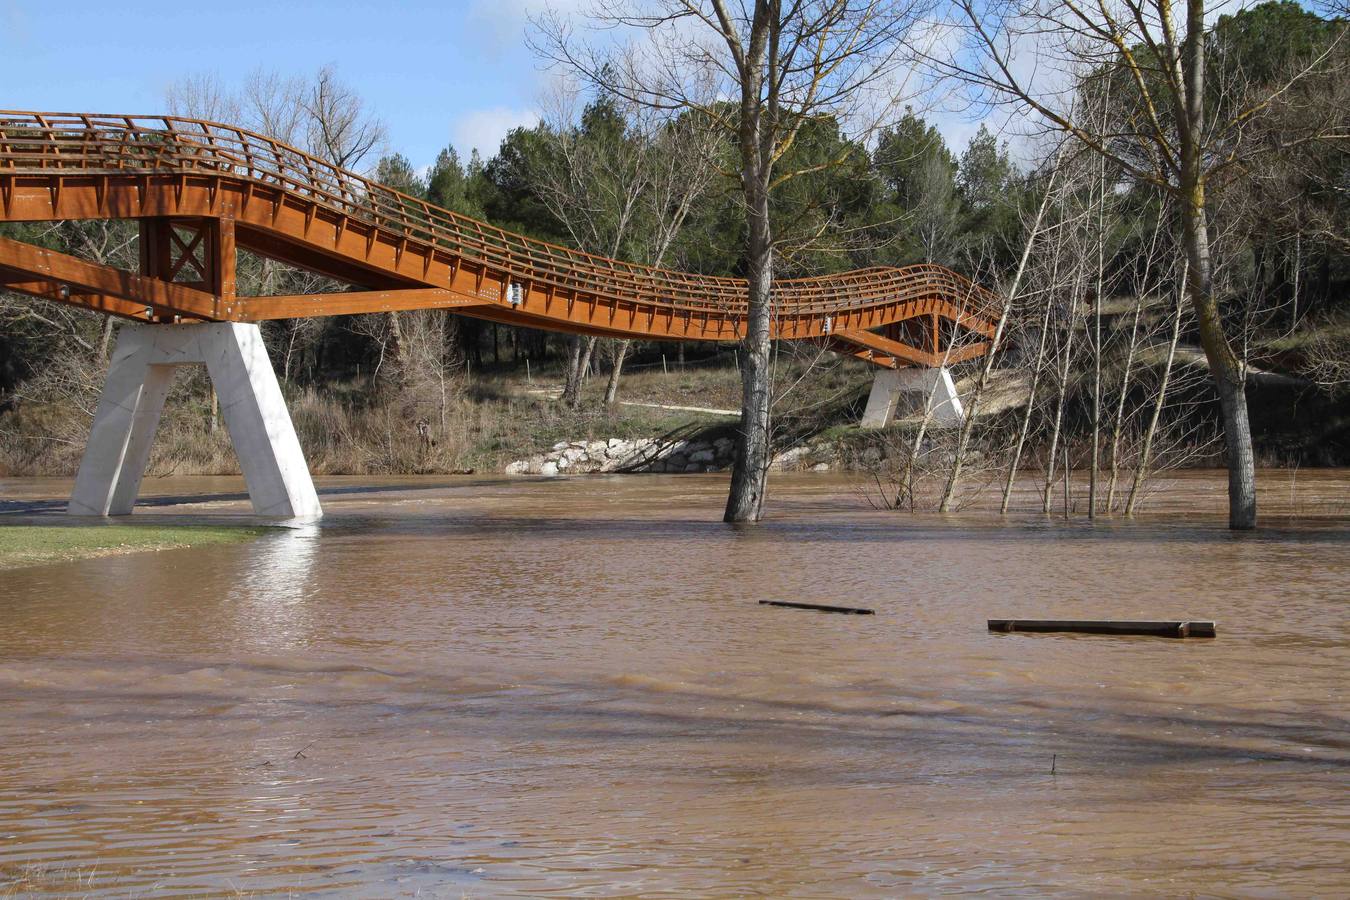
(1184, 629)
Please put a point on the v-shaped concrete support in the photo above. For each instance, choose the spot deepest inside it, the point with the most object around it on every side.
(251, 403)
(933, 387)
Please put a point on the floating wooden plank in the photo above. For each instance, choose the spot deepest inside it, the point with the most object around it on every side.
(820, 607)
(1177, 629)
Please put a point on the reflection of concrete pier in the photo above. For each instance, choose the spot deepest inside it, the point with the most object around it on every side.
(251, 403)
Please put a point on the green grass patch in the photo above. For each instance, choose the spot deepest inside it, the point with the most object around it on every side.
(30, 545)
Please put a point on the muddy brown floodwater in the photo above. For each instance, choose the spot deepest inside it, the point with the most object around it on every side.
(525, 687)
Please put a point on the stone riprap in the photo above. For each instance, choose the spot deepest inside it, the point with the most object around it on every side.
(654, 455)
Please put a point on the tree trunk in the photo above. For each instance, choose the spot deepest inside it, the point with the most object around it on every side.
(1227, 373)
(104, 337)
(972, 408)
(587, 354)
(906, 486)
(995, 344)
(396, 337)
(1118, 423)
(1026, 415)
(612, 389)
(1096, 387)
(1057, 427)
(579, 355)
(571, 394)
(750, 470)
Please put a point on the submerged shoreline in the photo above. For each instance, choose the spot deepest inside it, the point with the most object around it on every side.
(34, 545)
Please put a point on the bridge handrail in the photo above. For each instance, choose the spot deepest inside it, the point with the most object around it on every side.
(98, 143)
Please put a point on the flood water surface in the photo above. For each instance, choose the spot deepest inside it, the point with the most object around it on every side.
(522, 687)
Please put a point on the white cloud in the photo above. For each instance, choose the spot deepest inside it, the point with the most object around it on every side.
(484, 128)
(507, 19)
(13, 24)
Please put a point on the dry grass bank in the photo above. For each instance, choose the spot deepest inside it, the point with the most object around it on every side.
(346, 429)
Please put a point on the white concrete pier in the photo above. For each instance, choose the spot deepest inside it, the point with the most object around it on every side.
(931, 386)
(251, 403)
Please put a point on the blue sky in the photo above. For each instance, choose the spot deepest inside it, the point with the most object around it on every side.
(436, 73)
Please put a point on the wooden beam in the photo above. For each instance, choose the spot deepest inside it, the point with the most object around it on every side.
(880, 360)
(91, 278)
(153, 243)
(969, 351)
(223, 258)
(52, 290)
(294, 306)
(884, 351)
(886, 347)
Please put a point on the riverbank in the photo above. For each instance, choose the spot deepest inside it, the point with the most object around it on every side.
(508, 419)
(33, 545)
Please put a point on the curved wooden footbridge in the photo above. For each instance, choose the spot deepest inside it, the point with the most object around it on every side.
(202, 191)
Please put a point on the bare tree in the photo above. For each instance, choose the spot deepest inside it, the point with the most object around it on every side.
(274, 105)
(1327, 357)
(1149, 285)
(759, 70)
(1047, 284)
(622, 182)
(1010, 297)
(681, 175)
(203, 97)
(339, 128)
(1068, 248)
(1141, 468)
(1153, 52)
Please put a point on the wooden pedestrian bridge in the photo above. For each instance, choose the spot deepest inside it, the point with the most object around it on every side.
(201, 191)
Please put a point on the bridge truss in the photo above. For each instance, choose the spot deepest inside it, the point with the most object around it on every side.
(200, 191)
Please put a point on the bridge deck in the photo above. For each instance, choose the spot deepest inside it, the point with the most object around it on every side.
(201, 190)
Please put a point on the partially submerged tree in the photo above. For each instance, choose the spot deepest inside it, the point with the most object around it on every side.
(760, 71)
(1172, 130)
